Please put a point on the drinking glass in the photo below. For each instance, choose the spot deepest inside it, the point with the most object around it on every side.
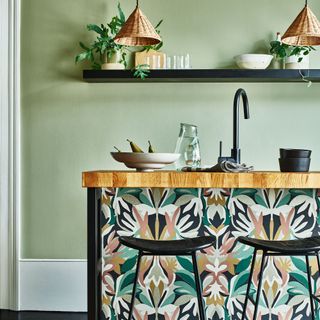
(168, 63)
(188, 146)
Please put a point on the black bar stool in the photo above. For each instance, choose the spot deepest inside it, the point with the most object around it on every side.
(303, 247)
(185, 247)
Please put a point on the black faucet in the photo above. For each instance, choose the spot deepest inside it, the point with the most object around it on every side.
(235, 151)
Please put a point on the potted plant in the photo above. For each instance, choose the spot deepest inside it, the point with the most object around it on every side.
(104, 53)
(294, 57)
(298, 57)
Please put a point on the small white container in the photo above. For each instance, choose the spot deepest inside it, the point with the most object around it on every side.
(293, 62)
(253, 61)
(113, 66)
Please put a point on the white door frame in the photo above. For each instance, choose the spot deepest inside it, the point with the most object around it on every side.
(9, 153)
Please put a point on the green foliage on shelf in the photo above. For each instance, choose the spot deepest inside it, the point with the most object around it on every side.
(104, 45)
(141, 71)
(282, 50)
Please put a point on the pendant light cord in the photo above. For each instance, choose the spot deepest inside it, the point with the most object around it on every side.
(138, 3)
(306, 2)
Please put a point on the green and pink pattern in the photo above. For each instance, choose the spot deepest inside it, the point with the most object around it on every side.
(166, 286)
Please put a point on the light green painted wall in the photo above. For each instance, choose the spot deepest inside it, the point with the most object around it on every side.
(69, 126)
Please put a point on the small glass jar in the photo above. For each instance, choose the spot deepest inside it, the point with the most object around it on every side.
(188, 146)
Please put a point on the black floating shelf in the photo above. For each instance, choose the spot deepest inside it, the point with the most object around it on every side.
(203, 75)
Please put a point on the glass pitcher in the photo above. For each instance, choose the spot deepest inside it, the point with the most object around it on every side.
(188, 146)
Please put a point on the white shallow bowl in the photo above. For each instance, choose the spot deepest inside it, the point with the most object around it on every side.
(145, 161)
(253, 61)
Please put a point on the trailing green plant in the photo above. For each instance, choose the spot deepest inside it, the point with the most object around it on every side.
(141, 71)
(282, 50)
(104, 45)
(301, 51)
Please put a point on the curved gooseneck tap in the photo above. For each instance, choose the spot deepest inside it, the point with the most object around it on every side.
(235, 152)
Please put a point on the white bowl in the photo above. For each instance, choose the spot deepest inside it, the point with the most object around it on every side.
(253, 61)
(145, 161)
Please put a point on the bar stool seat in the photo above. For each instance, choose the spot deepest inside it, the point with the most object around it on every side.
(294, 247)
(301, 247)
(185, 247)
(168, 247)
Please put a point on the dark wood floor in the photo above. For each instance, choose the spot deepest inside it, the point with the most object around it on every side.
(37, 315)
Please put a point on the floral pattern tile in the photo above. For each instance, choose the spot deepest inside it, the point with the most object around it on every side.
(166, 285)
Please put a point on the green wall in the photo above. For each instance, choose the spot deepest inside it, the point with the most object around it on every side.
(69, 126)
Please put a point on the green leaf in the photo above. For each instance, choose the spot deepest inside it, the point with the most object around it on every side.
(300, 278)
(185, 263)
(259, 200)
(83, 56)
(83, 46)
(184, 288)
(121, 14)
(158, 24)
(145, 200)
(241, 280)
(169, 300)
(96, 66)
(144, 300)
(243, 265)
(133, 191)
(185, 276)
(158, 46)
(128, 265)
(285, 200)
(141, 71)
(94, 27)
(169, 200)
(299, 264)
(183, 191)
(296, 288)
(127, 281)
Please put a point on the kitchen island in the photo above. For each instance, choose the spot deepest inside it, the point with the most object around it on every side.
(170, 205)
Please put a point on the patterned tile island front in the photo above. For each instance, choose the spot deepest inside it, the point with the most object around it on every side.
(166, 285)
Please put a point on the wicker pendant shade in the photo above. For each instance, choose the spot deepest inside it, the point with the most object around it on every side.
(304, 31)
(137, 31)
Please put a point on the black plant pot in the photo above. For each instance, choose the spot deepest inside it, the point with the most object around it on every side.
(294, 164)
(294, 153)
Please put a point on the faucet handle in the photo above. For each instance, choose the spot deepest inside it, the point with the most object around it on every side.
(222, 158)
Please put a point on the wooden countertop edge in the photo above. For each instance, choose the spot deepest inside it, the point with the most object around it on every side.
(174, 179)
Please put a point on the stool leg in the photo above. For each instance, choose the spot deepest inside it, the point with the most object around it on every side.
(198, 286)
(310, 288)
(318, 261)
(135, 286)
(259, 286)
(249, 284)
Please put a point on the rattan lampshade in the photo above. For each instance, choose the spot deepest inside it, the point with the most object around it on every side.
(137, 31)
(304, 31)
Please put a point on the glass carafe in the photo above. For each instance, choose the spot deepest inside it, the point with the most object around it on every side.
(188, 146)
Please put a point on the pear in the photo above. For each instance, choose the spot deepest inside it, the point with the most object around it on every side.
(134, 147)
(151, 149)
(117, 149)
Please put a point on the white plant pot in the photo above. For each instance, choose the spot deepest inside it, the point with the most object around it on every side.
(112, 66)
(112, 63)
(277, 63)
(293, 62)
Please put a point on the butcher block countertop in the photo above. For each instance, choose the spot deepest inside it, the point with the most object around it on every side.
(175, 179)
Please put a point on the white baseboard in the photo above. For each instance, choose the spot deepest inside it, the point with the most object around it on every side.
(53, 285)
